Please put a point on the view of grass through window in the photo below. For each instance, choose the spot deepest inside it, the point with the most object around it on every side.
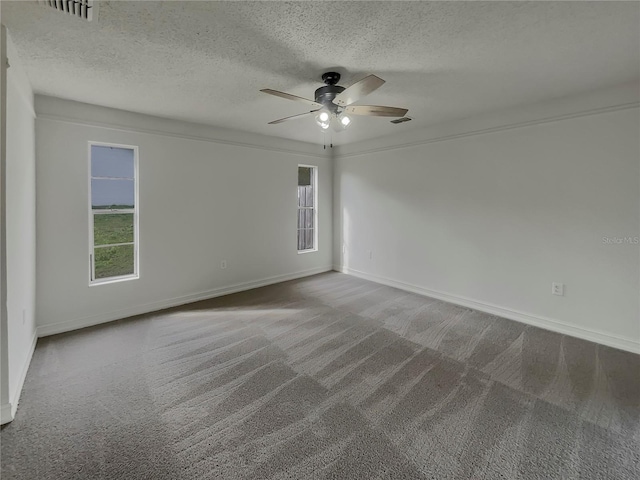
(113, 208)
(109, 229)
(114, 261)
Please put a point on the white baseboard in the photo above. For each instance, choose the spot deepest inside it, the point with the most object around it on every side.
(535, 320)
(45, 330)
(17, 390)
(5, 413)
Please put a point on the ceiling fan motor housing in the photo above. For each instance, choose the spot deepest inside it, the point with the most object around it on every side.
(325, 95)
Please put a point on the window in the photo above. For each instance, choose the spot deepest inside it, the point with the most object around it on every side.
(113, 225)
(307, 210)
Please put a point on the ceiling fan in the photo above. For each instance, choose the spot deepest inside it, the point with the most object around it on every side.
(333, 103)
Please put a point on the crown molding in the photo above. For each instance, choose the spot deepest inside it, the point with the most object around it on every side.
(77, 113)
(495, 129)
(622, 97)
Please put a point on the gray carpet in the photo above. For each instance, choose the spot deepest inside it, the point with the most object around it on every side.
(328, 377)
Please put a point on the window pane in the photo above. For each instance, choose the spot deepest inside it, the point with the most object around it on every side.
(300, 218)
(111, 162)
(304, 176)
(309, 192)
(113, 261)
(112, 228)
(305, 196)
(112, 193)
(308, 222)
(309, 239)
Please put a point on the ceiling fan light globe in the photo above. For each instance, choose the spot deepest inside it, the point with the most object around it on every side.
(323, 119)
(345, 121)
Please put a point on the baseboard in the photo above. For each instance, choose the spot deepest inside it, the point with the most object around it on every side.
(5, 413)
(61, 327)
(537, 321)
(17, 390)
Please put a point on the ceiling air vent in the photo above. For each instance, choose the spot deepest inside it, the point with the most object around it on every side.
(78, 8)
(401, 120)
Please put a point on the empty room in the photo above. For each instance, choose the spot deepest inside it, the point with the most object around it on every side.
(319, 240)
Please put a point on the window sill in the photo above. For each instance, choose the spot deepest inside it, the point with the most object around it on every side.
(300, 252)
(106, 281)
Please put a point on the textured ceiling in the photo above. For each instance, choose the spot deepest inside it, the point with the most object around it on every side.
(206, 61)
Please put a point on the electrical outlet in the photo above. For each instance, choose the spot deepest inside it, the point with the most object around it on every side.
(223, 264)
(557, 289)
(370, 255)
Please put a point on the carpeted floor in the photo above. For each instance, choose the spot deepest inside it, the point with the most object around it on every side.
(328, 377)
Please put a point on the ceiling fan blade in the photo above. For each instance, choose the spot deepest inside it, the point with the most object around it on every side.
(358, 90)
(292, 117)
(288, 96)
(376, 111)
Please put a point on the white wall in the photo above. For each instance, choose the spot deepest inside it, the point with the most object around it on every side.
(20, 225)
(206, 195)
(491, 218)
(5, 405)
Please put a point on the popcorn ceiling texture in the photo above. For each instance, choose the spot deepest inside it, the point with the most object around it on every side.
(206, 61)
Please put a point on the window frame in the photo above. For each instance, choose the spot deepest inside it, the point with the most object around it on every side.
(93, 281)
(315, 207)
